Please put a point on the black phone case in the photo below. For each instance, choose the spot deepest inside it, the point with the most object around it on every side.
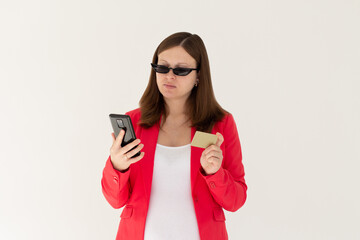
(119, 122)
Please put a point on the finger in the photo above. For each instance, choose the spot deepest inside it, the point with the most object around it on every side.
(135, 151)
(136, 159)
(211, 148)
(120, 138)
(129, 146)
(220, 139)
(114, 140)
(213, 160)
(203, 155)
(216, 154)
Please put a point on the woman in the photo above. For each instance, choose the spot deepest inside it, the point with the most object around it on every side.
(175, 190)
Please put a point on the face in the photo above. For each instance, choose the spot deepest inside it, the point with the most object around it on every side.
(173, 86)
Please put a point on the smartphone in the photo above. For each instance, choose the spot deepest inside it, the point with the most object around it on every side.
(119, 122)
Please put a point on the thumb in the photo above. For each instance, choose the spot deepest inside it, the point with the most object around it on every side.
(220, 139)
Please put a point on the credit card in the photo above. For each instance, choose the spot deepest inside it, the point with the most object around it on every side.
(203, 139)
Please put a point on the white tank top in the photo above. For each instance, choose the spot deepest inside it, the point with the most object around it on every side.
(171, 213)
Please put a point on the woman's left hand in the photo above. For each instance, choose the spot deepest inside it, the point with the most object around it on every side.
(211, 157)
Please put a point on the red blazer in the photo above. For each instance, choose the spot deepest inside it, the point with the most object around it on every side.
(226, 189)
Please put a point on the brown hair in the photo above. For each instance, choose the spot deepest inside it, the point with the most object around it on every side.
(202, 107)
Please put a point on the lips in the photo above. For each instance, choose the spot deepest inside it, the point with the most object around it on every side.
(169, 86)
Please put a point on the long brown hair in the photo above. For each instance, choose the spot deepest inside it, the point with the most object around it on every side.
(202, 107)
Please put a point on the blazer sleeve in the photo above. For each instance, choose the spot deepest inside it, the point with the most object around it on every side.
(227, 185)
(115, 185)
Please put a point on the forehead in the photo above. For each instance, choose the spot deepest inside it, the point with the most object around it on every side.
(176, 56)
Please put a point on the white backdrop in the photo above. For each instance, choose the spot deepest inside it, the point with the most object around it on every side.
(287, 70)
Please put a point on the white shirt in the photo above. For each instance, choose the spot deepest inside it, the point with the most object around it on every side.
(171, 213)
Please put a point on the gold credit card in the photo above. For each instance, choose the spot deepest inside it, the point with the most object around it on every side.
(203, 139)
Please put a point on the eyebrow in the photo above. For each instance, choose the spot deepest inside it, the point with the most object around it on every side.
(176, 64)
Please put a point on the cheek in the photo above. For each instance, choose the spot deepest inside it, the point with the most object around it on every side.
(158, 79)
(159, 82)
(190, 82)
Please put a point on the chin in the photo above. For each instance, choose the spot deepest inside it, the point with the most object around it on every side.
(169, 96)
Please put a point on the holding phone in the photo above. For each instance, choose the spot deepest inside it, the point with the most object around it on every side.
(119, 122)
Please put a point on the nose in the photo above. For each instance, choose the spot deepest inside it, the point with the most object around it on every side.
(171, 73)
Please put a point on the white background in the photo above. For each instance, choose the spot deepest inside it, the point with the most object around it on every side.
(288, 71)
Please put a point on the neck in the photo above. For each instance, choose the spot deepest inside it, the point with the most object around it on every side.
(175, 108)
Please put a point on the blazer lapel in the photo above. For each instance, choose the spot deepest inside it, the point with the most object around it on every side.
(149, 139)
(195, 161)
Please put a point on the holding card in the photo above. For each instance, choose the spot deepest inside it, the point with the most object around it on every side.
(203, 139)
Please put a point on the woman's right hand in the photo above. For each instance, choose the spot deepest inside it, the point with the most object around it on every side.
(120, 157)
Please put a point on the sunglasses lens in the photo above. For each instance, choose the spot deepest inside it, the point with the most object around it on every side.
(181, 71)
(161, 69)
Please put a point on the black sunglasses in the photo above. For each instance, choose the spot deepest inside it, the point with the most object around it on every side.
(177, 71)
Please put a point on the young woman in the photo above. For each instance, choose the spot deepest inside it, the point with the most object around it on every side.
(174, 190)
